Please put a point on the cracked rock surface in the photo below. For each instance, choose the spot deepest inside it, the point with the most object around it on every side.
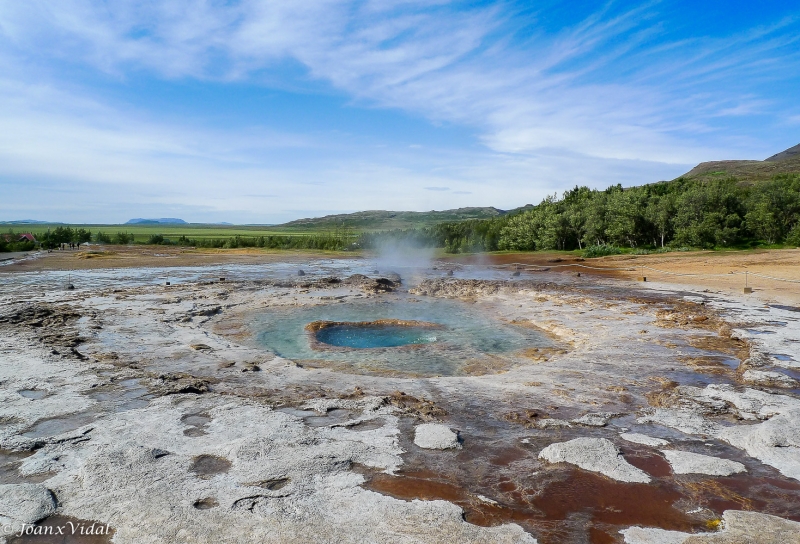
(597, 455)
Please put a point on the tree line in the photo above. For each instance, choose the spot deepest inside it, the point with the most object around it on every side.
(336, 240)
(682, 213)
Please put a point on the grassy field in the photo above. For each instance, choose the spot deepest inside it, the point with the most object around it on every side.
(142, 233)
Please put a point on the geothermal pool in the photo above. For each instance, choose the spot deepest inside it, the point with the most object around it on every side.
(463, 338)
(373, 334)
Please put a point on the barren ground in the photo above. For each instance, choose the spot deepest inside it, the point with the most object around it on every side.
(159, 412)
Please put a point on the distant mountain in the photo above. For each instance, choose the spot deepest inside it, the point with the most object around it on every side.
(25, 222)
(162, 221)
(785, 162)
(384, 219)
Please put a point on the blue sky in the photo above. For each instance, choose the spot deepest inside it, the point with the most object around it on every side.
(261, 112)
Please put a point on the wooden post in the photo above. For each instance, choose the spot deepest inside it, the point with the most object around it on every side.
(747, 289)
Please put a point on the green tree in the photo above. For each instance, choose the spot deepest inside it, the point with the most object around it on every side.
(660, 212)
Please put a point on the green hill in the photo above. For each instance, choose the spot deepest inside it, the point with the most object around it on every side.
(383, 219)
(785, 162)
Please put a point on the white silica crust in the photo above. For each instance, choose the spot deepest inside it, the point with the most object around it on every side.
(769, 378)
(596, 455)
(595, 419)
(435, 436)
(637, 438)
(128, 458)
(25, 503)
(738, 526)
(686, 462)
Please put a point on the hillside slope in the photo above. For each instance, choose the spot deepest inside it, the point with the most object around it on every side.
(785, 162)
(384, 219)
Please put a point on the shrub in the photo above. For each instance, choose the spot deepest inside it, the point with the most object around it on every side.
(123, 238)
(601, 251)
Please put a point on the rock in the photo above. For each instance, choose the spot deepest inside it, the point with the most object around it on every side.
(637, 438)
(651, 535)
(394, 277)
(595, 419)
(751, 403)
(686, 462)
(739, 527)
(597, 455)
(27, 503)
(686, 421)
(435, 436)
(775, 442)
(769, 379)
(551, 423)
(301, 273)
(757, 358)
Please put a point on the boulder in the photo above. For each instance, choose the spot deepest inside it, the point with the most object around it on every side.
(686, 462)
(596, 455)
(27, 503)
(435, 436)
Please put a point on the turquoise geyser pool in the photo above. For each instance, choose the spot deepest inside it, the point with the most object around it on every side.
(371, 334)
(458, 338)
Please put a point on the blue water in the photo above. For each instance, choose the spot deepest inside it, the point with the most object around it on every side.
(471, 333)
(377, 336)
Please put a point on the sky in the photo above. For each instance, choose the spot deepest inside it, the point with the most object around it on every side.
(255, 111)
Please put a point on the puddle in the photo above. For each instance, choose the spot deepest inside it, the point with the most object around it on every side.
(782, 357)
(649, 461)
(745, 492)
(315, 419)
(206, 504)
(35, 394)
(569, 504)
(333, 417)
(197, 423)
(207, 466)
(369, 425)
(9, 469)
(122, 396)
(59, 425)
(274, 485)
(559, 503)
(786, 308)
(74, 531)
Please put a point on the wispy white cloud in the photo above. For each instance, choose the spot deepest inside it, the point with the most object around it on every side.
(603, 98)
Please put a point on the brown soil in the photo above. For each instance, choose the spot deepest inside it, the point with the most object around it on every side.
(158, 256)
(780, 263)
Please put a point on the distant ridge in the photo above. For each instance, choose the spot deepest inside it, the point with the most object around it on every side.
(25, 222)
(785, 162)
(787, 154)
(386, 219)
(162, 221)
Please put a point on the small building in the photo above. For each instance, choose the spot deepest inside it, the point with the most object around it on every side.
(26, 237)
